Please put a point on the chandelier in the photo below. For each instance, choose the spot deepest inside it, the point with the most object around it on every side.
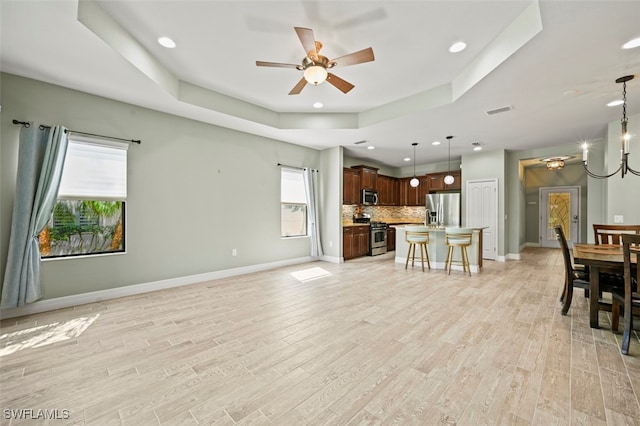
(624, 140)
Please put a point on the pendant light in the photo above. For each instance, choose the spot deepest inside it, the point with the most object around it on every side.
(414, 182)
(448, 179)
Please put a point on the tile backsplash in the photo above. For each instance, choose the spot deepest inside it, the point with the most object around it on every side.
(385, 212)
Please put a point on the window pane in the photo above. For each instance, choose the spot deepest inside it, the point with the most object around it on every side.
(294, 220)
(81, 227)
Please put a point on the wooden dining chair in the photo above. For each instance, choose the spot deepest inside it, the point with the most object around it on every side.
(611, 234)
(574, 277)
(628, 297)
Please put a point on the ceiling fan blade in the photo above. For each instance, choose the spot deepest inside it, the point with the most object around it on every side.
(364, 55)
(275, 64)
(298, 87)
(343, 85)
(308, 41)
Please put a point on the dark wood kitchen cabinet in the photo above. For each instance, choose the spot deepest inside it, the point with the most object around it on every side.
(410, 196)
(436, 181)
(350, 186)
(391, 238)
(368, 176)
(387, 188)
(355, 241)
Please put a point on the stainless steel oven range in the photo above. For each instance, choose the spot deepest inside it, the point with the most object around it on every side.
(378, 238)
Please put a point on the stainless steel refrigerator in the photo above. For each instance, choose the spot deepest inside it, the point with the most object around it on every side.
(443, 208)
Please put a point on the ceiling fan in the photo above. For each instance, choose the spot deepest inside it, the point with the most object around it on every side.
(315, 65)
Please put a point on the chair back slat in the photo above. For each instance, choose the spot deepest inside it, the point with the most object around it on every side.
(611, 234)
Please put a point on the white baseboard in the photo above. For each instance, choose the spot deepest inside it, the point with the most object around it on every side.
(131, 290)
(332, 259)
(532, 244)
(512, 256)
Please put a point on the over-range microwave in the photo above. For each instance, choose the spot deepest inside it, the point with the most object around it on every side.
(369, 197)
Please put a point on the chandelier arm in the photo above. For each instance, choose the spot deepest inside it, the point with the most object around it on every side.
(593, 175)
(635, 172)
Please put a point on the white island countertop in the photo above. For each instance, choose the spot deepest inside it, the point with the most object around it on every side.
(438, 248)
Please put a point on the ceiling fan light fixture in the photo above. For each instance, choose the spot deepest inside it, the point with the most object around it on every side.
(315, 74)
(556, 163)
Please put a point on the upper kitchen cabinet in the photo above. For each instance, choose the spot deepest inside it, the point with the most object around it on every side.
(413, 196)
(387, 188)
(350, 186)
(368, 176)
(436, 181)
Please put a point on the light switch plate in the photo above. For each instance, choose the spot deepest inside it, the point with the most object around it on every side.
(618, 218)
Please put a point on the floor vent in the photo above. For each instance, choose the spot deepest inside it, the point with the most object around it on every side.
(499, 110)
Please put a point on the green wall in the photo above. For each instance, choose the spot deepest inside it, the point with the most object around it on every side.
(195, 191)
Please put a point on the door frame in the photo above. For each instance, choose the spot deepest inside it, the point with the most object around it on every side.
(542, 223)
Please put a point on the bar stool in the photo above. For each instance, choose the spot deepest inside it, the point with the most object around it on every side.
(417, 235)
(458, 237)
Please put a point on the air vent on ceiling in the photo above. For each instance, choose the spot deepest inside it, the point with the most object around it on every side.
(359, 142)
(499, 110)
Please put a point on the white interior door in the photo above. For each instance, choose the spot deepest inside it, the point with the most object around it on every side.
(559, 206)
(482, 212)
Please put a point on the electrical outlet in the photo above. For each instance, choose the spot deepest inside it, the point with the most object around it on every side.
(234, 252)
(618, 218)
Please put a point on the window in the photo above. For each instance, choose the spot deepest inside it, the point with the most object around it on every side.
(293, 201)
(89, 215)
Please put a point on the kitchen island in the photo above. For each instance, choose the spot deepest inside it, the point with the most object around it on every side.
(438, 248)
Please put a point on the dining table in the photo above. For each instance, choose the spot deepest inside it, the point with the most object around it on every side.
(598, 257)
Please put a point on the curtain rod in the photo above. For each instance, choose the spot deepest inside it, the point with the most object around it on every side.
(42, 127)
(297, 168)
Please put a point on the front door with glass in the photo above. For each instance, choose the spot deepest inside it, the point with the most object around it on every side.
(559, 206)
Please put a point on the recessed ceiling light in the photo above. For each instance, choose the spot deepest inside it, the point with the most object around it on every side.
(458, 46)
(632, 43)
(166, 42)
(615, 103)
(318, 105)
(371, 147)
(435, 143)
(407, 158)
(477, 146)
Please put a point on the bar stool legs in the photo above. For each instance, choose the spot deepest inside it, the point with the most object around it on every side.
(424, 253)
(417, 235)
(464, 259)
(458, 237)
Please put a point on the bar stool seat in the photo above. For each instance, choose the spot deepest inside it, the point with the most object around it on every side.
(458, 237)
(417, 235)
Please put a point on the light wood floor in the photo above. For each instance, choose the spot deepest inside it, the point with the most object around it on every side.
(371, 344)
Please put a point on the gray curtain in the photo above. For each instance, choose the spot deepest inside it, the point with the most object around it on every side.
(40, 162)
(311, 189)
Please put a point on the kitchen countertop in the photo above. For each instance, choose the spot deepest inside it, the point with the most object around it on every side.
(349, 224)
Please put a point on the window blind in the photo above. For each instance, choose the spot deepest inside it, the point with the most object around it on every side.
(94, 170)
(292, 187)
